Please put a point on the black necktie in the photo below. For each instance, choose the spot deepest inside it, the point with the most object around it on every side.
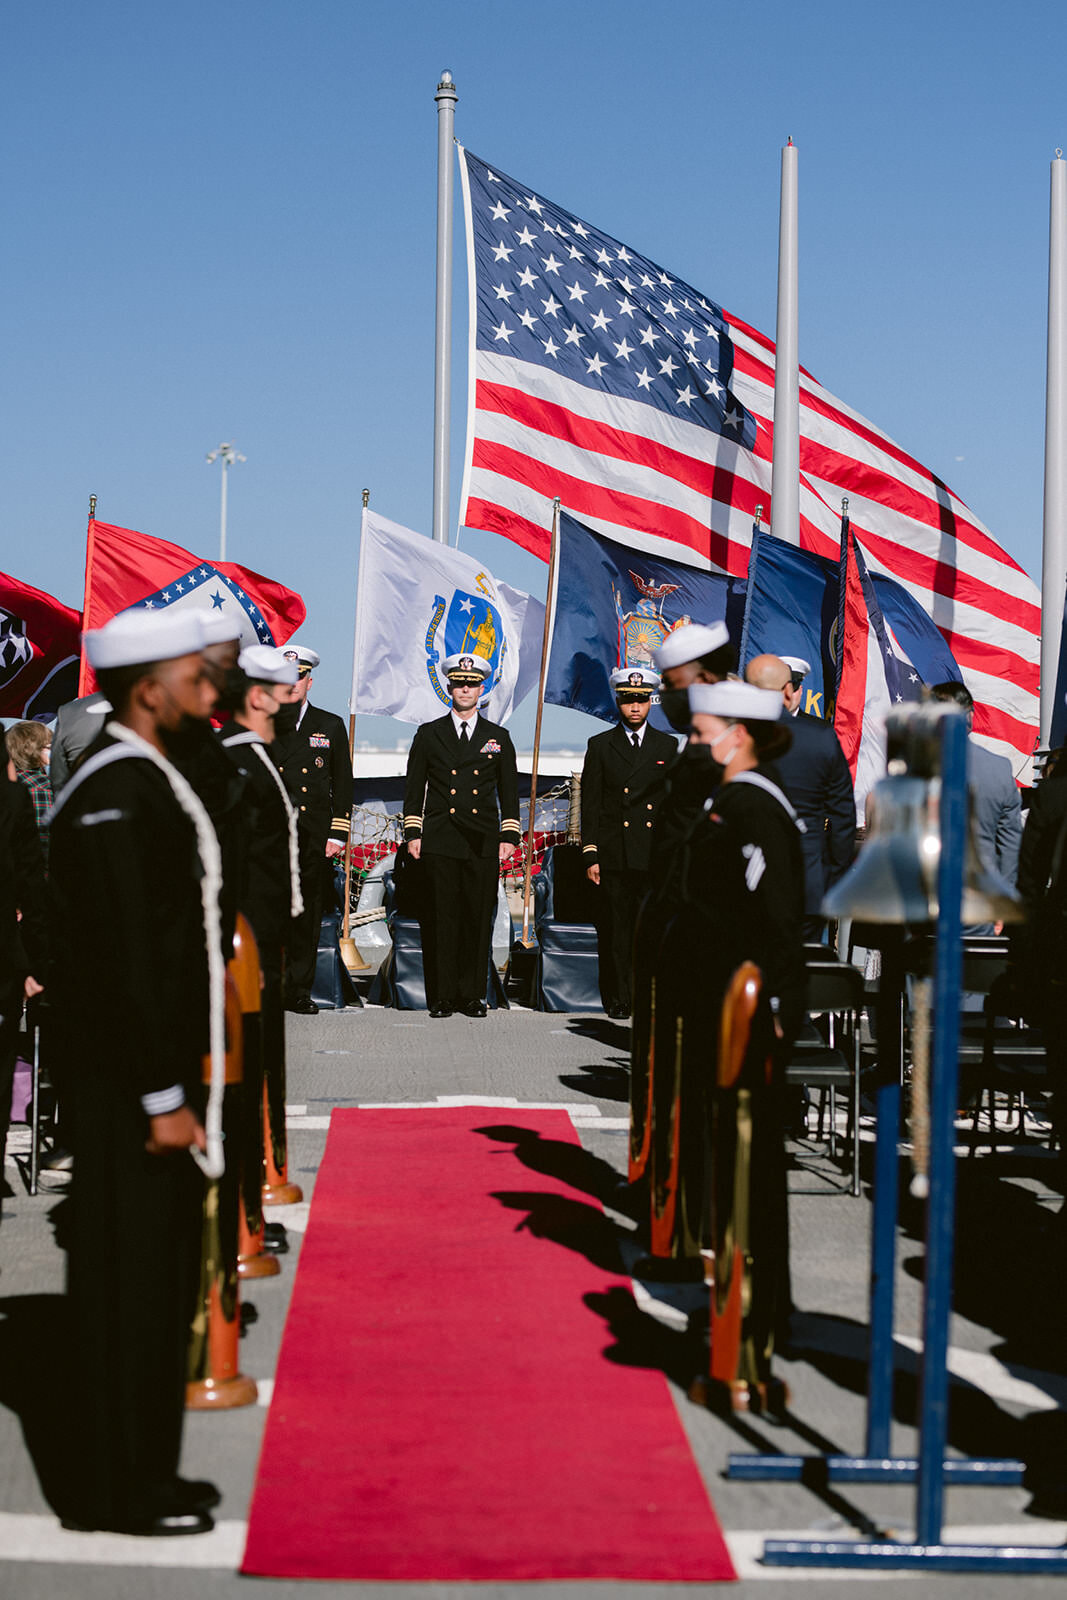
(465, 732)
(635, 741)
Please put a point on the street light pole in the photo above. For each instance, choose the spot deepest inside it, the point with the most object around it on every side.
(228, 454)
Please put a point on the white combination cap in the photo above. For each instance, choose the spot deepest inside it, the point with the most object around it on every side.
(302, 655)
(135, 637)
(634, 680)
(742, 702)
(690, 642)
(264, 664)
(467, 669)
(219, 629)
(797, 665)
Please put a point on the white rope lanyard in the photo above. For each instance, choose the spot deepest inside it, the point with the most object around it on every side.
(296, 899)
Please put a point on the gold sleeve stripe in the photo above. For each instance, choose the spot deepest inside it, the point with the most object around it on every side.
(340, 824)
(414, 820)
(588, 849)
(510, 822)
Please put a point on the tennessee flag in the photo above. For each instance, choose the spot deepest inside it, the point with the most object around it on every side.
(126, 570)
(38, 651)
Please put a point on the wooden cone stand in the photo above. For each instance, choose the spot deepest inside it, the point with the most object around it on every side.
(215, 1382)
(277, 1190)
(253, 1261)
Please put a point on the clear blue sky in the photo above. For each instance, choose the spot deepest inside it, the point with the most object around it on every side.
(220, 224)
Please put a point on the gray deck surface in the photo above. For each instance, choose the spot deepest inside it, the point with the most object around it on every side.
(1007, 1335)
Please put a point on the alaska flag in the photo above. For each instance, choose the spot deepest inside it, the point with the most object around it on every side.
(792, 607)
(614, 606)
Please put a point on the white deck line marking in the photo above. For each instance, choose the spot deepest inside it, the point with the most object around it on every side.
(296, 1111)
(293, 1218)
(40, 1538)
(319, 1123)
(33, 1537)
(746, 1548)
(1021, 1386)
(264, 1391)
(490, 1102)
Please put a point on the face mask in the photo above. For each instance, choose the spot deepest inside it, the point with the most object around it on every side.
(232, 693)
(674, 703)
(183, 742)
(285, 719)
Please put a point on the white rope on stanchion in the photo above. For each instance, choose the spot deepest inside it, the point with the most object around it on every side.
(212, 1162)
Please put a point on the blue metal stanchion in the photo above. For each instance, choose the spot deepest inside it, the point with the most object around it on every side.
(930, 1471)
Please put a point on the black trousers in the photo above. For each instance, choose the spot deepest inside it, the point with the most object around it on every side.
(302, 940)
(619, 899)
(457, 926)
(133, 1274)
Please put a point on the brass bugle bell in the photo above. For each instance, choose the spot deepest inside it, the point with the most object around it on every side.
(894, 877)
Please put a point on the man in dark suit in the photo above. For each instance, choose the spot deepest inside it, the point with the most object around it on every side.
(623, 783)
(459, 767)
(996, 810)
(311, 752)
(816, 779)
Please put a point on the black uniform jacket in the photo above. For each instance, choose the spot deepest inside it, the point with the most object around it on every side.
(745, 870)
(266, 893)
(130, 958)
(622, 789)
(23, 918)
(815, 776)
(317, 769)
(462, 798)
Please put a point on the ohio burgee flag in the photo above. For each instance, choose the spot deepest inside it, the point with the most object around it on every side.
(419, 602)
(599, 377)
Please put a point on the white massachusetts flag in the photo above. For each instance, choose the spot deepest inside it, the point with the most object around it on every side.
(419, 602)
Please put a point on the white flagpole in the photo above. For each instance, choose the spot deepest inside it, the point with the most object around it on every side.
(349, 953)
(1054, 561)
(785, 463)
(446, 98)
(546, 645)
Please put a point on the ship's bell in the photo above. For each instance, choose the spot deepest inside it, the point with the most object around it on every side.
(894, 877)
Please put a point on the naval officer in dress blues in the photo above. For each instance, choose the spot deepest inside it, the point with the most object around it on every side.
(623, 783)
(311, 752)
(461, 819)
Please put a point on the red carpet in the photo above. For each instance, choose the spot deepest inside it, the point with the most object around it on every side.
(443, 1409)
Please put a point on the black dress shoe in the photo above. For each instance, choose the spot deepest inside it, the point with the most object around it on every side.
(171, 1525)
(195, 1494)
(440, 1011)
(276, 1243)
(475, 1008)
(618, 1014)
(303, 1005)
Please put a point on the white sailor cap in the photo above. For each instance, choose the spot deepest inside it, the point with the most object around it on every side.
(635, 680)
(467, 669)
(306, 659)
(135, 637)
(264, 664)
(219, 629)
(690, 642)
(798, 667)
(740, 702)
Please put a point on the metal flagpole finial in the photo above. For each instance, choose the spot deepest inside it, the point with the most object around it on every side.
(1059, 153)
(366, 498)
(844, 506)
(759, 514)
(92, 508)
(446, 89)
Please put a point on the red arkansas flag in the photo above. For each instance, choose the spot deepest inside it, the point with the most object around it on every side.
(125, 570)
(38, 651)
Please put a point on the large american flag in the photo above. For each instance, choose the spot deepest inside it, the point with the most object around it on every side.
(599, 377)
